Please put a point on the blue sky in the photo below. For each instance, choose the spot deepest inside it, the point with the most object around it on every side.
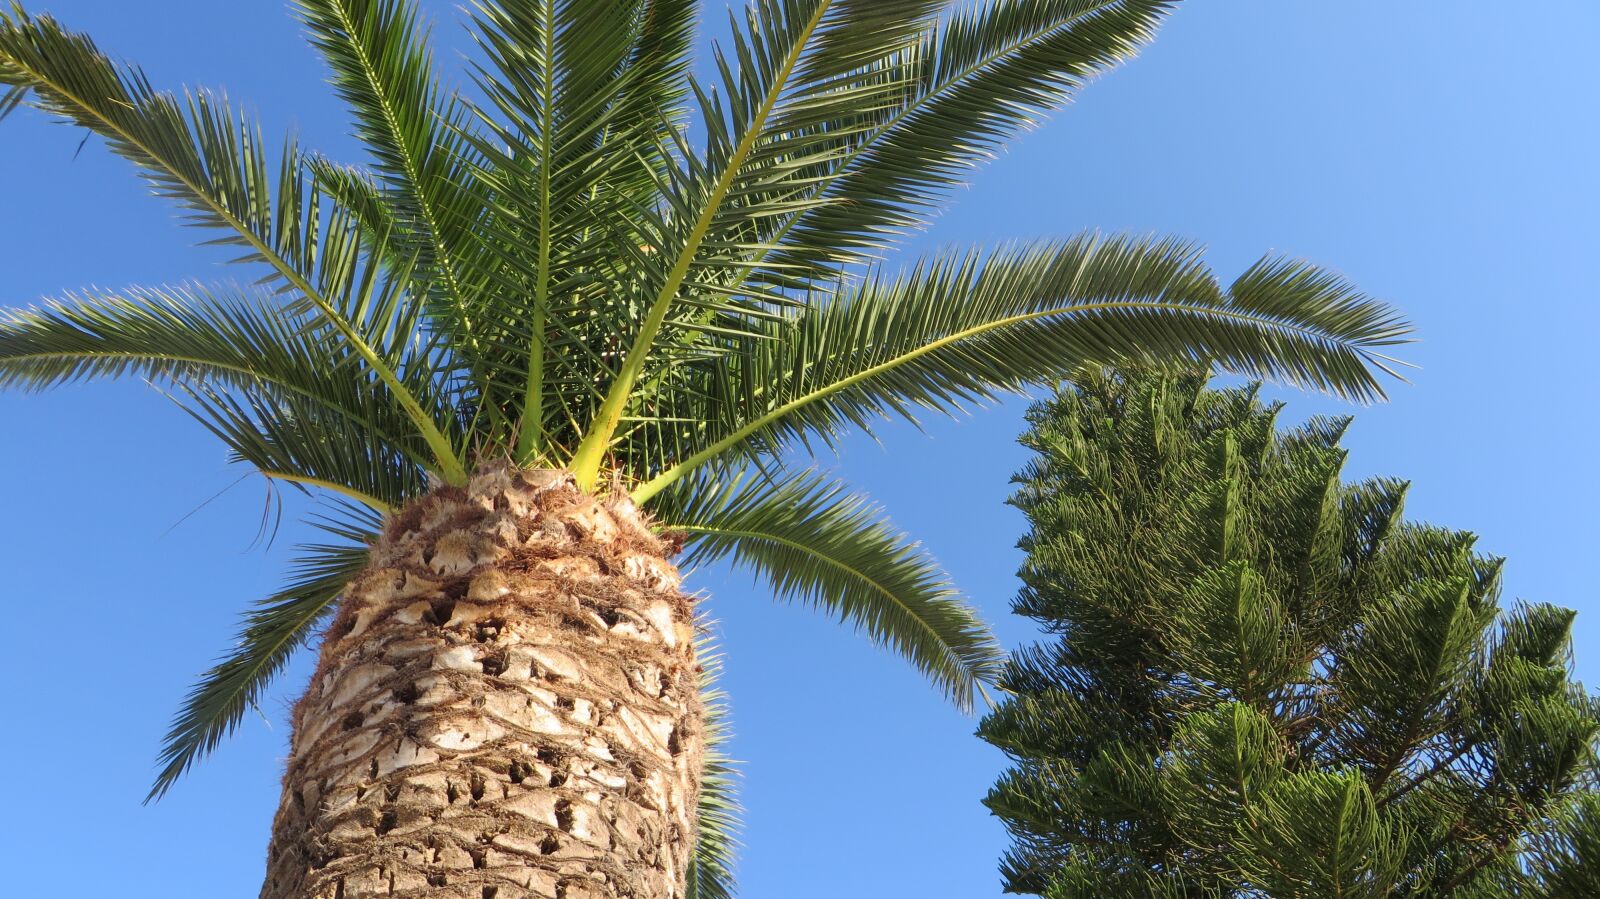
(1441, 154)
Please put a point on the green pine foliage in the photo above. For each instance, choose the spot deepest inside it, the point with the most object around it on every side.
(1262, 682)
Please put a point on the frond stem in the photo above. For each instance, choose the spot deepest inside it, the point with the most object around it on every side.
(444, 454)
(352, 493)
(585, 463)
(901, 115)
(530, 441)
(825, 559)
(644, 492)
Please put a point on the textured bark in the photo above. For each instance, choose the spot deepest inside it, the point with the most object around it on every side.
(506, 706)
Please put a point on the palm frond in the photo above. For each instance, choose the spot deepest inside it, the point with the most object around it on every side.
(584, 91)
(289, 439)
(717, 840)
(988, 71)
(855, 66)
(227, 338)
(775, 46)
(271, 632)
(199, 153)
(814, 541)
(11, 99)
(383, 69)
(962, 328)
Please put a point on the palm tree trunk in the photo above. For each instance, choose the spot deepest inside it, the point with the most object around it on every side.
(506, 706)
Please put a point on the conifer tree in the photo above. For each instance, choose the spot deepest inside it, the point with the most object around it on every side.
(1262, 682)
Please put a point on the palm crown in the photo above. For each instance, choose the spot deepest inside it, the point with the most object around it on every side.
(549, 271)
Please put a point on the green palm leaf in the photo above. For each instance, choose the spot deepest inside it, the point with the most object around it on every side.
(716, 843)
(986, 72)
(585, 92)
(199, 154)
(272, 631)
(383, 69)
(226, 338)
(962, 328)
(11, 99)
(815, 542)
(288, 439)
(770, 81)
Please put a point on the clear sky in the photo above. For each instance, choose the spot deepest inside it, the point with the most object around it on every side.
(1440, 153)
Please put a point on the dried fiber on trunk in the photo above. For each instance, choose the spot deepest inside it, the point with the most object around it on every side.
(506, 706)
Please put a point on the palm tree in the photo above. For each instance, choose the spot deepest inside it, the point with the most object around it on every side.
(544, 339)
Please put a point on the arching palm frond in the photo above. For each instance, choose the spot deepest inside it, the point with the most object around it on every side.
(963, 327)
(272, 631)
(780, 75)
(200, 154)
(288, 439)
(218, 339)
(986, 72)
(415, 132)
(716, 845)
(814, 541)
(585, 95)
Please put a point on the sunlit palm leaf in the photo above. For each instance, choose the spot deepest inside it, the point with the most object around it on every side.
(291, 440)
(717, 841)
(11, 99)
(990, 70)
(383, 69)
(776, 42)
(584, 92)
(272, 631)
(963, 327)
(813, 541)
(198, 153)
(222, 337)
